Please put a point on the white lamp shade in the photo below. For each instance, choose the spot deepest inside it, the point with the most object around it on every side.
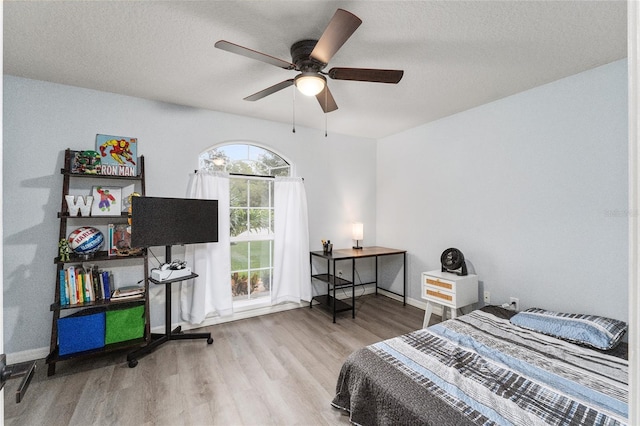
(358, 231)
(310, 84)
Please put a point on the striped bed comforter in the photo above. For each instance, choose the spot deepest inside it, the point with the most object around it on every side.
(479, 369)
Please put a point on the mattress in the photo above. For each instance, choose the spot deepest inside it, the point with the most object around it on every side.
(480, 369)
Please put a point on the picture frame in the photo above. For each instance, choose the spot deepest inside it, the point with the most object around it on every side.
(106, 201)
(119, 239)
(118, 154)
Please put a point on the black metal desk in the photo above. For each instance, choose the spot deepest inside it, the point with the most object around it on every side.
(333, 282)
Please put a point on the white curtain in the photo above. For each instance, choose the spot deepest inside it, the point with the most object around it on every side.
(211, 291)
(291, 268)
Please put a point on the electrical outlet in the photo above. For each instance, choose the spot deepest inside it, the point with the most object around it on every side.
(514, 302)
(487, 297)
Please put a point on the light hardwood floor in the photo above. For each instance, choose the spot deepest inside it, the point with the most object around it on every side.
(278, 369)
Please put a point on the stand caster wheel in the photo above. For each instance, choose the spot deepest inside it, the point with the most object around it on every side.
(210, 340)
(133, 363)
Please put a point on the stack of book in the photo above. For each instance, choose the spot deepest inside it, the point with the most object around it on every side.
(79, 284)
(129, 292)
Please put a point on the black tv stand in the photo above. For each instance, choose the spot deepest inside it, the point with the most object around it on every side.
(158, 339)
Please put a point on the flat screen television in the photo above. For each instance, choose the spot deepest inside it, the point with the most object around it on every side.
(158, 221)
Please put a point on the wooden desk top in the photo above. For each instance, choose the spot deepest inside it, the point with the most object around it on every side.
(356, 253)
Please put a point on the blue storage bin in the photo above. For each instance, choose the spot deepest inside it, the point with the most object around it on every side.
(82, 331)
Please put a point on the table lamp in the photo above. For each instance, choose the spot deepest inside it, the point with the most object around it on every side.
(357, 231)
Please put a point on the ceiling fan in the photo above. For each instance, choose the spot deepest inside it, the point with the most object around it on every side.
(310, 57)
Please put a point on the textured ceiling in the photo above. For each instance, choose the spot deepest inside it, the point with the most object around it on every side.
(456, 54)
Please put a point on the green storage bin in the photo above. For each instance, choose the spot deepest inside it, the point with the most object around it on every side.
(124, 324)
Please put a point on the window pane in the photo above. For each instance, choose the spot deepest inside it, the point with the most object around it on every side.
(271, 160)
(214, 160)
(255, 152)
(259, 193)
(260, 254)
(259, 219)
(238, 222)
(244, 159)
(243, 167)
(280, 171)
(238, 192)
(239, 284)
(260, 284)
(239, 256)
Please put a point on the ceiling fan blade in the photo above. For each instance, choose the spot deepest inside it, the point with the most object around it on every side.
(327, 103)
(340, 28)
(253, 54)
(270, 90)
(366, 74)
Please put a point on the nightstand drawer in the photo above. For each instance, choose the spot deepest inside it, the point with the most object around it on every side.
(438, 297)
(437, 282)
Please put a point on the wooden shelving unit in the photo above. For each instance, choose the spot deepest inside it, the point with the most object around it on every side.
(79, 180)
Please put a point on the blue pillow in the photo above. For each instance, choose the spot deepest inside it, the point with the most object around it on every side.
(590, 330)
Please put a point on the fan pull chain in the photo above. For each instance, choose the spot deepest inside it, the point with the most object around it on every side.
(325, 125)
(326, 91)
(294, 110)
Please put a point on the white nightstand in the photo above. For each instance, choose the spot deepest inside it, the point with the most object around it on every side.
(448, 290)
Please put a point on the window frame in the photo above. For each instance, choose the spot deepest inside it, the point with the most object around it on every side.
(245, 236)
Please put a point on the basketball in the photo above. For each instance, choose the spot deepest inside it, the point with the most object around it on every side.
(86, 240)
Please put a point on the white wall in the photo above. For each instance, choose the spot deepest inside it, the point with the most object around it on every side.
(532, 188)
(41, 119)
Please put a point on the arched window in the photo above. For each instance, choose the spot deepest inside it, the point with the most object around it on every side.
(252, 170)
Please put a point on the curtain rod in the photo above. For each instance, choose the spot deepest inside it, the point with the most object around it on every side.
(248, 175)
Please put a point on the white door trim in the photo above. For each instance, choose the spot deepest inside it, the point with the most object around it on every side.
(633, 46)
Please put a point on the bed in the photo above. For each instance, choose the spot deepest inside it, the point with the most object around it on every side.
(485, 368)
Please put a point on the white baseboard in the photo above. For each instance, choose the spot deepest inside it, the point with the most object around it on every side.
(237, 315)
(28, 355)
(34, 354)
(437, 310)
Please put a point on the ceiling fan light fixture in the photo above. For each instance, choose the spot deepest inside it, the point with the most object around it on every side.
(310, 84)
(309, 57)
